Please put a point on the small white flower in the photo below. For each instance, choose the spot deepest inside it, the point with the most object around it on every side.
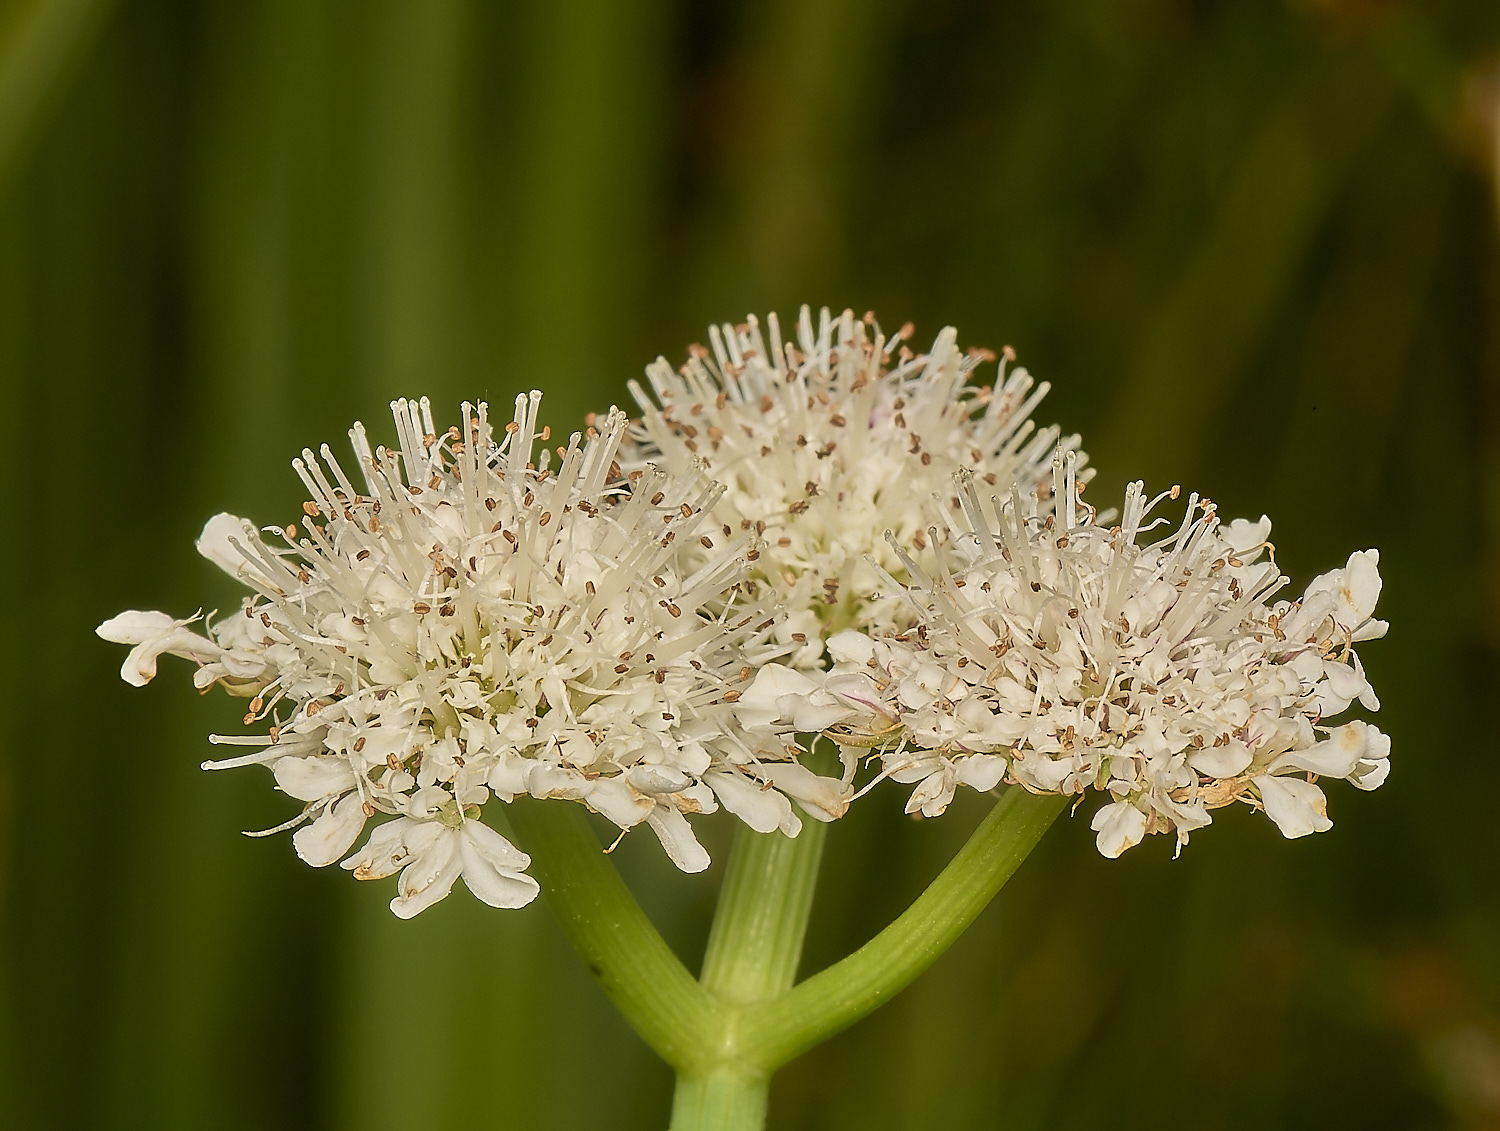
(432, 854)
(1158, 674)
(824, 444)
(154, 634)
(475, 620)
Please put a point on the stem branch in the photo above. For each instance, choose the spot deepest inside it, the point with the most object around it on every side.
(773, 1033)
(606, 926)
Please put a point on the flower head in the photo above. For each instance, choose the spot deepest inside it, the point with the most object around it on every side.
(824, 444)
(1057, 652)
(472, 622)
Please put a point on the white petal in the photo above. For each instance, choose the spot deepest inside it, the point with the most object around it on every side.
(313, 778)
(214, 544)
(1334, 757)
(1221, 761)
(153, 633)
(981, 771)
(508, 776)
(851, 647)
(823, 799)
(1120, 826)
(657, 779)
(764, 810)
(383, 853)
(760, 704)
(332, 834)
(495, 848)
(613, 798)
(543, 780)
(1298, 807)
(1363, 586)
(135, 625)
(813, 713)
(1247, 538)
(676, 836)
(491, 871)
(430, 877)
(932, 795)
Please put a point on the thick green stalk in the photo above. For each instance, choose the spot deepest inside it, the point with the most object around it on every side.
(773, 1033)
(610, 932)
(753, 951)
(721, 1100)
(761, 918)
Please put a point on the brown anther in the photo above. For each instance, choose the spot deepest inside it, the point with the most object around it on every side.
(421, 607)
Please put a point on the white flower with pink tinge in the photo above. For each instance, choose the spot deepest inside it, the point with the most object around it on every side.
(1053, 651)
(477, 621)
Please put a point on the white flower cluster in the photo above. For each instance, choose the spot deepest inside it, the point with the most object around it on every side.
(823, 445)
(1057, 652)
(470, 624)
(832, 536)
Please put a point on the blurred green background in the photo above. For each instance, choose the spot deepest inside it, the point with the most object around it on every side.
(1252, 244)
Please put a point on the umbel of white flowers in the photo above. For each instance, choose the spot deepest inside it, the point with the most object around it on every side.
(1051, 649)
(799, 537)
(470, 624)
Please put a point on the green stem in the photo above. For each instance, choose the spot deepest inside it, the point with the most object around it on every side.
(721, 1100)
(773, 1033)
(610, 932)
(753, 950)
(761, 919)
